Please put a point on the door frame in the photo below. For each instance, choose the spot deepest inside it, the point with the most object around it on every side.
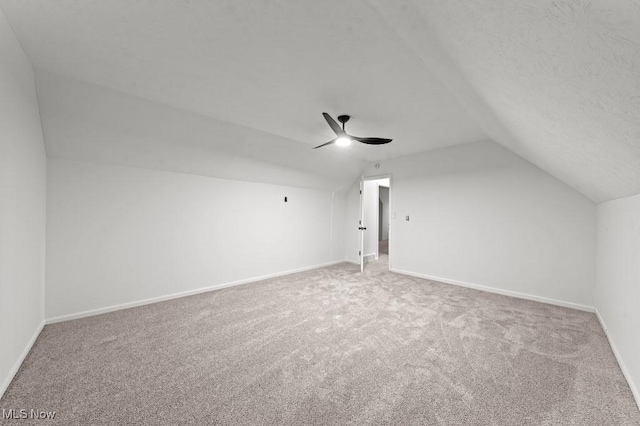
(364, 178)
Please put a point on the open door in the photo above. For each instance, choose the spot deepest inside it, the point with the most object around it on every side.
(361, 228)
(371, 222)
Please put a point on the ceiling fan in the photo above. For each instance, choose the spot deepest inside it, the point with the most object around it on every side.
(342, 138)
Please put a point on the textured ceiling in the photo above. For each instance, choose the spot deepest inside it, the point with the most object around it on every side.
(274, 66)
(558, 82)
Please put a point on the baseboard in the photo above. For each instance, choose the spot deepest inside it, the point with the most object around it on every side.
(134, 304)
(498, 291)
(20, 360)
(616, 353)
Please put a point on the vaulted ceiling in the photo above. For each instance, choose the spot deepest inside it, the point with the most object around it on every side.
(557, 82)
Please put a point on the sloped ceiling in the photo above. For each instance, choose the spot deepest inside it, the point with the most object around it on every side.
(557, 82)
(87, 122)
(274, 66)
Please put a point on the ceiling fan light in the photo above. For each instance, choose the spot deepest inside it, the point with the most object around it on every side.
(343, 141)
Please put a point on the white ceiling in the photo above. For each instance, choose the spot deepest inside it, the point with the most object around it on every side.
(274, 66)
(557, 82)
(86, 122)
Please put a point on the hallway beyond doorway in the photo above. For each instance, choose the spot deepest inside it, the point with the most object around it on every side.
(383, 247)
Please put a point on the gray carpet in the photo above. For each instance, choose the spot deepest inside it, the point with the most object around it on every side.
(329, 346)
(383, 247)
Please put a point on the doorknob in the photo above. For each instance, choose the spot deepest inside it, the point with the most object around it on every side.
(361, 228)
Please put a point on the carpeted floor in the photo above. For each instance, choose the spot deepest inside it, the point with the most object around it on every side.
(383, 247)
(329, 346)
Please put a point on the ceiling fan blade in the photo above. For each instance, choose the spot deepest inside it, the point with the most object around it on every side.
(324, 144)
(333, 124)
(372, 141)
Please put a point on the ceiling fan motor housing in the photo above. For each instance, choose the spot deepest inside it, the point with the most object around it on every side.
(343, 118)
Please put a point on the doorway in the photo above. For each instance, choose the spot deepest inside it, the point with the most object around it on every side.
(375, 208)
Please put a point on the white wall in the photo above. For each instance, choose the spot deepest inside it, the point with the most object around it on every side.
(481, 215)
(22, 207)
(618, 282)
(118, 235)
(338, 225)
